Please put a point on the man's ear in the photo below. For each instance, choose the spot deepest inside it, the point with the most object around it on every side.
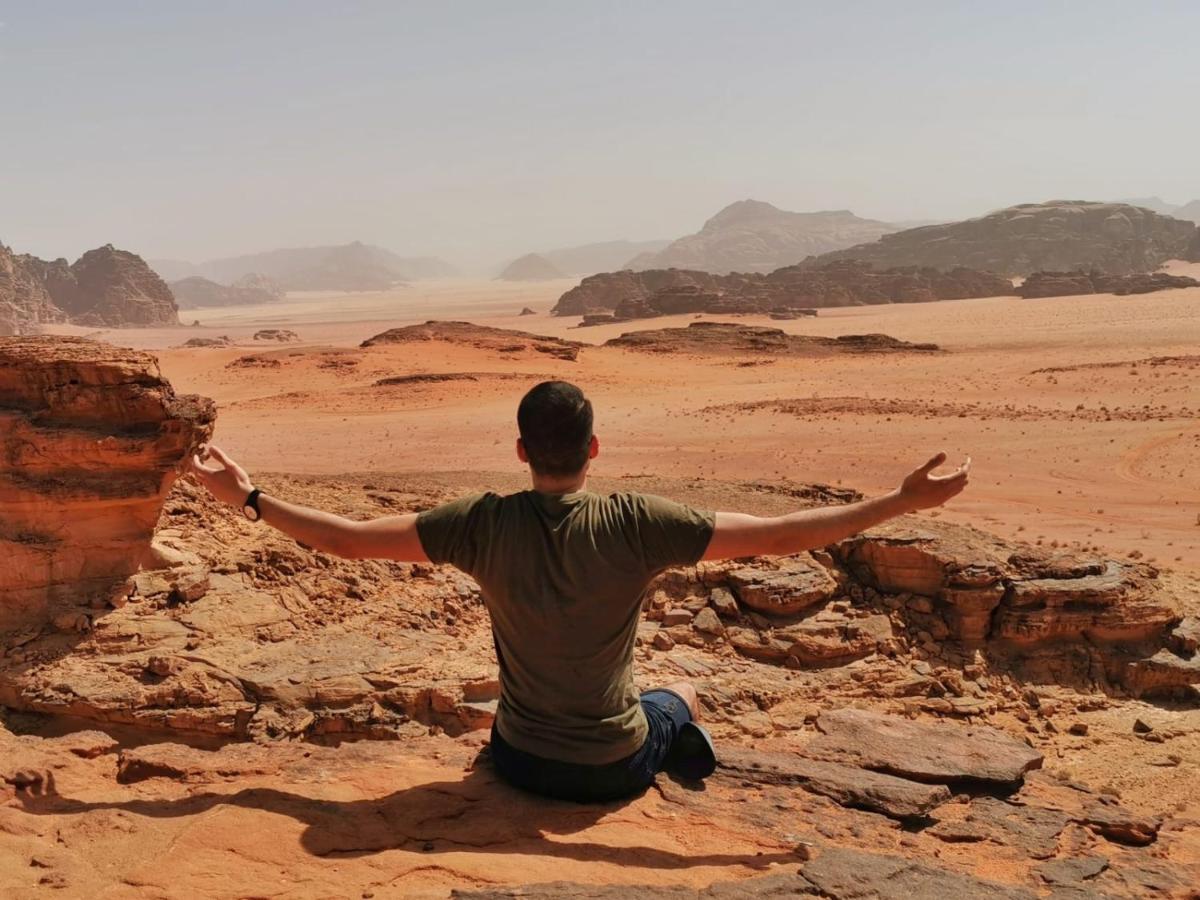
(521, 454)
(594, 448)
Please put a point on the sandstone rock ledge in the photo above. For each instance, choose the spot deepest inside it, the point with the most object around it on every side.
(91, 438)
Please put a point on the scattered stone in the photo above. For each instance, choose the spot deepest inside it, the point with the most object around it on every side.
(676, 617)
(783, 585)
(281, 335)
(925, 752)
(1120, 825)
(842, 874)
(897, 798)
(1072, 871)
(723, 602)
(707, 622)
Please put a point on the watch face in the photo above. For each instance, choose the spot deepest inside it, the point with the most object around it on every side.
(250, 512)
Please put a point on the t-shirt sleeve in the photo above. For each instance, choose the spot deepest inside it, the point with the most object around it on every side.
(671, 534)
(453, 532)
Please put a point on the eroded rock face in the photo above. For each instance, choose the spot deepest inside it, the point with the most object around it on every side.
(1060, 284)
(106, 287)
(24, 301)
(639, 295)
(729, 338)
(1060, 235)
(986, 590)
(110, 287)
(484, 337)
(92, 437)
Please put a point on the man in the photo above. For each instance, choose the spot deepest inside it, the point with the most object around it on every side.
(563, 572)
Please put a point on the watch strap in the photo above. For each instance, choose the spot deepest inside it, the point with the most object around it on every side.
(252, 503)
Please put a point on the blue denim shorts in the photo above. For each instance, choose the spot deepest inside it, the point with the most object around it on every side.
(666, 713)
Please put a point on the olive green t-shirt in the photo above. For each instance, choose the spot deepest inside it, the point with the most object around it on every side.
(563, 577)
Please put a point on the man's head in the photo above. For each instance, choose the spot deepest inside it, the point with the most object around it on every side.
(555, 421)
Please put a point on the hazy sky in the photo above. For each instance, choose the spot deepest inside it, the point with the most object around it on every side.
(480, 130)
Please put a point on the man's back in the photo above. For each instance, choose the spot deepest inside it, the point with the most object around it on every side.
(563, 577)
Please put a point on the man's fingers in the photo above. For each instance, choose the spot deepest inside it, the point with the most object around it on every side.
(219, 455)
(933, 463)
(959, 474)
(201, 468)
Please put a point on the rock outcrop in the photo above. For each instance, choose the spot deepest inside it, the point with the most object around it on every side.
(104, 287)
(531, 267)
(662, 292)
(1059, 235)
(484, 337)
(731, 338)
(91, 439)
(279, 335)
(197, 292)
(24, 301)
(752, 236)
(1062, 284)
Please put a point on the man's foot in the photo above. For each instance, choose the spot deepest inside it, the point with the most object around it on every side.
(693, 756)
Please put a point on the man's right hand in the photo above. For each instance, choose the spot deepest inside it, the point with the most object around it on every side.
(924, 490)
(228, 481)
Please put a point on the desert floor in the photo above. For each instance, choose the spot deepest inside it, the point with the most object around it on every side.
(1081, 414)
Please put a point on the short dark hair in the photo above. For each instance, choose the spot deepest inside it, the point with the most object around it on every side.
(555, 421)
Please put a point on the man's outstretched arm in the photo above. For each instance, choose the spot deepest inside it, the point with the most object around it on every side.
(738, 534)
(390, 537)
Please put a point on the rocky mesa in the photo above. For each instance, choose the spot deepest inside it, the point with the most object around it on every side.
(753, 236)
(1059, 235)
(105, 287)
(655, 292)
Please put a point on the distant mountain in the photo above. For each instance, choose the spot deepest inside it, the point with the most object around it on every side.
(105, 287)
(531, 267)
(752, 236)
(348, 267)
(588, 259)
(1188, 211)
(1059, 236)
(197, 292)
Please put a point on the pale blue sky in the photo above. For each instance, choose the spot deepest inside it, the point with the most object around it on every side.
(480, 130)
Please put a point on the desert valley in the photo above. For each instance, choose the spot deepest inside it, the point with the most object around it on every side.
(994, 699)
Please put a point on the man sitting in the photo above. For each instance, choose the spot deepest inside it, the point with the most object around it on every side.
(563, 572)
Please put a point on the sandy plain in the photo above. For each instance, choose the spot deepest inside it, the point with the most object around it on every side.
(1081, 414)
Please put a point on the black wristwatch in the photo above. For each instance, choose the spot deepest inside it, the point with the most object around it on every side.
(250, 508)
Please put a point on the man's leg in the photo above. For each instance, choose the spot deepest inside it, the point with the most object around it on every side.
(688, 694)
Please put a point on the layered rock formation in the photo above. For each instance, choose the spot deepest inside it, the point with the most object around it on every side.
(1061, 284)
(197, 292)
(936, 789)
(531, 267)
(661, 292)
(24, 301)
(92, 438)
(752, 236)
(1056, 236)
(499, 340)
(104, 287)
(725, 337)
